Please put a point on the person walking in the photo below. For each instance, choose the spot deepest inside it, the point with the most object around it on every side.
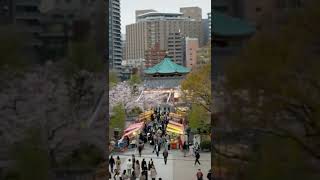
(140, 149)
(124, 175)
(129, 166)
(197, 158)
(165, 156)
(185, 148)
(144, 165)
(116, 176)
(157, 149)
(111, 163)
(199, 175)
(209, 175)
(144, 169)
(133, 161)
(150, 164)
(153, 173)
(137, 169)
(118, 164)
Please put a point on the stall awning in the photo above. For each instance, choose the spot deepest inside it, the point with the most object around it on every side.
(133, 128)
(175, 127)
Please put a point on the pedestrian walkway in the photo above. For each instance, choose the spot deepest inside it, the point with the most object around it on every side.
(177, 167)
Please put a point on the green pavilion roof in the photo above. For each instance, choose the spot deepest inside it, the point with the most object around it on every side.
(166, 66)
(224, 25)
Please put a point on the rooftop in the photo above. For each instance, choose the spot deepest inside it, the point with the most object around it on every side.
(166, 66)
(224, 25)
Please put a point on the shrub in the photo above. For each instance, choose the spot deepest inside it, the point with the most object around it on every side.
(205, 145)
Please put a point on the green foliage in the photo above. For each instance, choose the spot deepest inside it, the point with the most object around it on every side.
(199, 118)
(86, 156)
(118, 117)
(113, 78)
(83, 56)
(32, 160)
(12, 49)
(135, 79)
(197, 87)
(205, 145)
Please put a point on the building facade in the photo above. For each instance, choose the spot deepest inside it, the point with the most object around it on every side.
(176, 50)
(192, 12)
(140, 12)
(115, 47)
(192, 46)
(204, 55)
(154, 55)
(209, 25)
(155, 27)
(204, 34)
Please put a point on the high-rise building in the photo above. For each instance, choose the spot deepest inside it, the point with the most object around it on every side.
(140, 12)
(175, 48)
(192, 12)
(115, 47)
(209, 25)
(204, 33)
(123, 45)
(192, 46)
(155, 27)
(154, 55)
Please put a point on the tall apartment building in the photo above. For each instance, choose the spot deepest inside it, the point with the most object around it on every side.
(204, 33)
(140, 12)
(154, 55)
(209, 24)
(155, 27)
(192, 12)
(176, 50)
(115, 48)
(192, 46)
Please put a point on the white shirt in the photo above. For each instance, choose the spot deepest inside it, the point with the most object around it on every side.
(129, 165)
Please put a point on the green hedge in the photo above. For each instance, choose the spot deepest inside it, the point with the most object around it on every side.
(205, 145)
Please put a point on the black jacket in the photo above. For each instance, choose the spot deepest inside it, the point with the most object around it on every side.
(197, 155)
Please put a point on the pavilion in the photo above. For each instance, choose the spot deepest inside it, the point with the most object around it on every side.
(164, 75)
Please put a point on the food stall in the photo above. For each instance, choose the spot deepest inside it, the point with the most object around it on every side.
(131, 131)
(145, 116)
(176, 132)
(177, 117)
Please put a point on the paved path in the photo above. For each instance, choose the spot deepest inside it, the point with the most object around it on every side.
(177, 167)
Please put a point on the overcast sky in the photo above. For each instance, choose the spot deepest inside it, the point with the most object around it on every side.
(128, 8)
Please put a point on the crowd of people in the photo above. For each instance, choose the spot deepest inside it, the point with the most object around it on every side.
(134, 169)
(156, 135)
